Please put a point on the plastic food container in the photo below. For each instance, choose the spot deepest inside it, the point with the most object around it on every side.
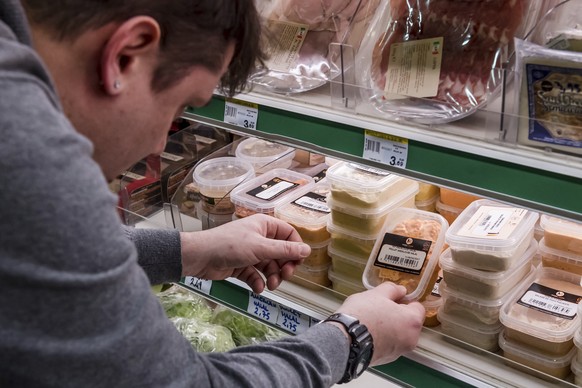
(426, 192)
(456, 198)
(215, 178)
(345, 285)
(264, 193)
(432, 303)
(561, 234)
(490, 236)
(318, 256)
(567, 261)
(407, 252)
(449, 212)
(313, 278)
(308, 213)
(557, 366)
(264, 155)
(576, 368)
(345, 264)
(477, 334)
(370, 220)
(428, 205)
(543, 313)
(358, 245)
(209, 220)
(365, 187)
(485, 284)
(578, 346)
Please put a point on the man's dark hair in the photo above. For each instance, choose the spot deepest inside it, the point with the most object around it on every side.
(194, 32)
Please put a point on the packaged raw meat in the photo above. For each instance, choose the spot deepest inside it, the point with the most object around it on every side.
(436, 61)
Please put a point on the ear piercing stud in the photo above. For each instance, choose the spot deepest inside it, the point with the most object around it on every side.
(116, 84)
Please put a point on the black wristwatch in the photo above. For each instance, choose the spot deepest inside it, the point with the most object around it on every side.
(361, 348)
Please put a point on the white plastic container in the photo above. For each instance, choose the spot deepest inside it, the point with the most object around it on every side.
(356, 244)
(215, 178)
(344, 285)
(363, 187)
(567, 261)
(477, 334)
(345, 264)
(265, 155)
(485, 284)
(562, 234)
(407, 252)
(490, 236)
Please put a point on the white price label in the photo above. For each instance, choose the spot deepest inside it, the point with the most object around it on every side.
(387, 149)
(241, 113)
(292, 321)
(263, 308)
(201, 285)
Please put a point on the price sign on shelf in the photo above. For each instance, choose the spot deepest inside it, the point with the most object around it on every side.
(262, 308)
(202, 285)
(387, 149)
(241, 113)
(292, 321)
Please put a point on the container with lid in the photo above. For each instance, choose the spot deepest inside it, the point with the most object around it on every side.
(215, 178)
(264, 193)
(369, 221)
(426, 192)
(308, 213)
(562, 234)
(457, 199)
(432, 303)
(578, 345)
(428, 205)
(576, 368)
(449, 212)
(563, 260)
(407, 252)
(318, 256)
(490, 235)
(543, 313)
(364, 187)
(485, 284)
(553, 365)
(356, 244)
(467, 330)
(264, 155)
(313, 278)
(346, 264)
(345, 285)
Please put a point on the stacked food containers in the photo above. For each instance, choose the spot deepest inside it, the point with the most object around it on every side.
(452, 202)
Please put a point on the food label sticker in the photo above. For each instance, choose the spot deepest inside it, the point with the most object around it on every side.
(292, 321)
(241, 113)
(313, 201)
(402, 253)
(262, 308)
(204, 139)
(490, 222)
(384, 148)
(436, 288)
(202, 285)
(133, 176)
(272, 189)
(414, 69)
(550, 301)
(172, 157)
(320, 175)
(284, 43)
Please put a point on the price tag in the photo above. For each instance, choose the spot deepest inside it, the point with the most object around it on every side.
(263, 308)
(292, 321)
(387, 149)
(241, 113)
(201, 285)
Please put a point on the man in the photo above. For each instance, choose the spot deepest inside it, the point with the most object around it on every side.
(75, 302)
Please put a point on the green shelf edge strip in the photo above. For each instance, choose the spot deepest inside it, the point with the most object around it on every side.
(558, 194)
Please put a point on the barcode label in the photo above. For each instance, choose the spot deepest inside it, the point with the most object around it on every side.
(384, 148)
(372, 146)
(546, 303)
(241, 113)
(230, 111)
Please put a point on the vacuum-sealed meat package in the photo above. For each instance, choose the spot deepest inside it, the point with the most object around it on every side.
(297, 35)
(437, 61)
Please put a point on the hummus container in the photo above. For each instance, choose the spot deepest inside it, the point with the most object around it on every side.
(345, 285)
(318, 256)
(554, 258)
(543, 312)
(264, 155)
(364, 187)
(313, 278)
(345, 264)
(356, 244)
(264, 193)
(407, 252)
(556, 366)
(561, 234)
(449, 212)
(491, 236)
(215, 178)
(370, 220)
(477, 334)
(457, 199)
(308, 214)
(485, 284)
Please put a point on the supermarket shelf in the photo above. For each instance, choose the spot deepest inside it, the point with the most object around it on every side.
(530, 178)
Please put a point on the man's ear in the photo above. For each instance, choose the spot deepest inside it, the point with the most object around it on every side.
(129, 53)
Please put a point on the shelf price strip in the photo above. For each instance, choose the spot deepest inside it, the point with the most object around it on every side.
(241, 113)
(384, 148)
(202, 285)
(287, 319)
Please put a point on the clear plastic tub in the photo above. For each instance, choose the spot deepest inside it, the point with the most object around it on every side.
(356, 244)
(485, 284)
(215, 178)
(209, 220)
(578, 345)
(491, 236)
(432, 303)
(477, 334)
(426, 192)
(457, 199)
(345, 264)
(557, 366)
(308, 213)
(563, 260)
(264, 155)
(344, 285)
(313, 278)
(561, 234)
(542, 313)
(370, 220)
(318, 256)
(264, 193)
(428, 205)
(407, 252)
(449, 212)
(365, 187)
(576, 367)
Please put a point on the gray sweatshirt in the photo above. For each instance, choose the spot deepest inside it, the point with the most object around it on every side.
(76, 308)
